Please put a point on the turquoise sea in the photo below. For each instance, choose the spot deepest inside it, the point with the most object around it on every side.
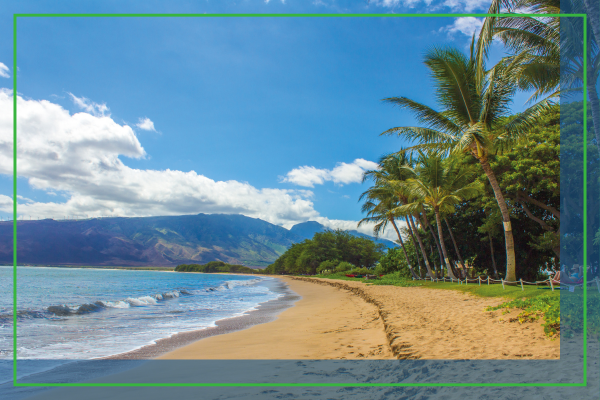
(76, 313)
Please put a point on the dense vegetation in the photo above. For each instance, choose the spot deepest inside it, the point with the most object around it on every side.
(216, 266)
(327, 251)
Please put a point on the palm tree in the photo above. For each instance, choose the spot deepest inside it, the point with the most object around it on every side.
(379, 206)
(439, 184)
(548, 51)
(473, 108)
(391, 171)
(462, 262)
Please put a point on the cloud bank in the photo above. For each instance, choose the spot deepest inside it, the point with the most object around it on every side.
(77, 157)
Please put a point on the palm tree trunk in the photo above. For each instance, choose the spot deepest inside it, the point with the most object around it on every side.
(493, 258)
(414, 241)
(426, 224)
(427, 266)
(462, 263)
(403, 248)
(435, 267)
(508, 236)
(439, 227)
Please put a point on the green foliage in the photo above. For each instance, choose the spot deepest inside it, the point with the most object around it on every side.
(531, 167)
(395, 261)
(533, 308)
(393, 279)
(344, 266)
(328, 265)
(306, 257)
(216, 266)
(360, 271)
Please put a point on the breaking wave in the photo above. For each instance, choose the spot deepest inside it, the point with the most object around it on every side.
(61, 311)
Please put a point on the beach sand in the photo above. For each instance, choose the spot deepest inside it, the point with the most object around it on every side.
(338, 319)
(326, 323)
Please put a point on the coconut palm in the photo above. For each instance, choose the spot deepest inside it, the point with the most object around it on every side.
(548, 51)
(391, 171)
(462, 262)
(439, 184)
(379, 205)
(472, 118)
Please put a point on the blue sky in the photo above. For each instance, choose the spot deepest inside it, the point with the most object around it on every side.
(274, 118)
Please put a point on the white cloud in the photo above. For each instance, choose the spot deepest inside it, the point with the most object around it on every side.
(89, 106)
(78, 155)
(467, 5)
(343, 173)
(146, 124)
(4, 71)
(454, 5)
(465, 25)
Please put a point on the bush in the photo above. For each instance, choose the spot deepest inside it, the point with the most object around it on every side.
(395, 261)
(360, 271)
(327, 266)
(344, 266)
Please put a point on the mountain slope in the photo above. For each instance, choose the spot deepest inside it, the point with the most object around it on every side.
(169, 240)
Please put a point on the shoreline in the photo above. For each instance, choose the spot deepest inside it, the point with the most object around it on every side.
(263, 313)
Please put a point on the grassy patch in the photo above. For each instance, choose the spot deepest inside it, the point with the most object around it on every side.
(390, 279)
(509, 292)
(547, 306)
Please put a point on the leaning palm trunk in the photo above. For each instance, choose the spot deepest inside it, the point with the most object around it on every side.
(493, 258)
(462, 263)
(438, 272)
(439, 227)
(414, 241)
(425, 223)
(508, 236)
(423, 251)
(404, 249)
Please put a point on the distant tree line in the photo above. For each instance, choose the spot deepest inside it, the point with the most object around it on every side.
(329, 250)
(216, 266)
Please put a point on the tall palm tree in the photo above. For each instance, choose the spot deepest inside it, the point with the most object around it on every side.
(391, 171)
(379, 206)
(548, 51)
(440, 184)
(473, 108)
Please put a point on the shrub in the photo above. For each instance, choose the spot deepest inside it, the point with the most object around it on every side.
(327, 266)
(360, 271)
(344, 266)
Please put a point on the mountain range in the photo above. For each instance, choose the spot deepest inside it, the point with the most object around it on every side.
(152, 241)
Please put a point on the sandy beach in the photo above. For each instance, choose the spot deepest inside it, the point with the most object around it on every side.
(338, 319)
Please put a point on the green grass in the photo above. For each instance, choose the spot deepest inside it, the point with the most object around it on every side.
(546, 306)
(390, 279)
(509, 292)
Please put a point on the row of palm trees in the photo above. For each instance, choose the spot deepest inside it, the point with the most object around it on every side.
(474, 118)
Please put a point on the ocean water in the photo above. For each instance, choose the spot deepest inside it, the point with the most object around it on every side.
(71, 314)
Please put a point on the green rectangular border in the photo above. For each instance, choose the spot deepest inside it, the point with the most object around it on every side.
(582, 384)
